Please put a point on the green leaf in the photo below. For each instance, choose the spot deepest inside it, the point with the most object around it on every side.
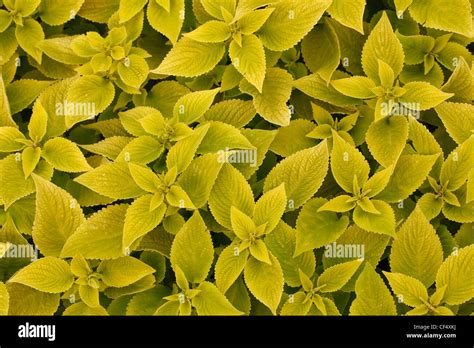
(281, 243)
(409, 173)
(424, 95)
(80, 308)
(348, 163)
(249, 59)
(372, 296)
(38, 123)
(190, 107)
(408, 289)
(386, 139)
(210, 301)
(139, 220)
(349, 13)
(293, 138)
(382, 44)
(112, 180)
(297, 306)
(192, 250)
(168, 23)
(191, 58)
(230, 190)
(458, 120)
(383, 223)
(265, 281)
(48, 274)
(302, 173)
(356, 87)
(320, 49)
(28, 36)
(64, 155)
(222, 137)
(100, 236)
(133, 70)
(442, 14)
(57, 216)
(315, 228)
(94, 91)
(290, 22)
(214, 7)
(455, 169)
(229, 266)
(271, 102)
(417, 250)
(335, 277)
(123, 271)
(455, 273)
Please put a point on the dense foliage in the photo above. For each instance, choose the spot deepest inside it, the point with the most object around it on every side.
(229, 157)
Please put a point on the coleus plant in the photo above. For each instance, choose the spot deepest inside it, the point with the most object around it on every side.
(236, 157)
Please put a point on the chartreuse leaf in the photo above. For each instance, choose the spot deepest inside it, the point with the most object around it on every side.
(182, 153)
(348, 13)
(211, 31)
(265, 281)
(456, 18)
(191, 58)
(64, 155)
(335, 277)
(80, 308)
(281, 243)
(230, 190)
(271, 102)
(112, 180)
(409, 290)
(455, 169)
(222, 137)
(128, 9)
(235, 112)
(4, 299)
(382, 44)
(133, 71)
(57, 216)
(214, 7)
(123, 271)
(48, 274)
(25, 300)
(100, 236)
(249, 59)
(21, 93)
(229, 266)
(302, 173)
(190, 107)
(29, 35)
(383, 222)
(458, 119)
(192, 250)
(38, 123)
(386, 139)
(326, 57)
(210, 301)
(417, 250)
(290, 22)
(57, 12)
(297, 306)
(92, 91)
(455, 273)
(317, 228)
(372, 295)
(270, 208)
(8, 137)
(140, 219)
(346, 163)
(409, 173)
(424, 95)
